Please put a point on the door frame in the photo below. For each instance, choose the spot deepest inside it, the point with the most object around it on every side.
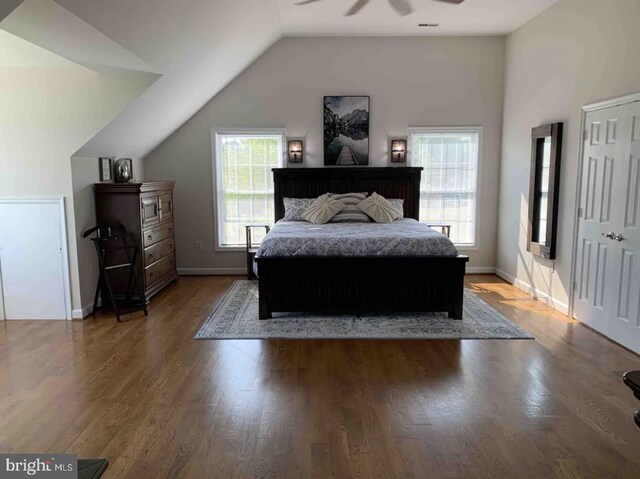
(586, 109)
(59, 200)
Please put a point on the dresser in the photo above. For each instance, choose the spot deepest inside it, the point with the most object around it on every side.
(146, 211)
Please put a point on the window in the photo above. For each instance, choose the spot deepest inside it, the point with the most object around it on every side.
(449, 186)
(243, 162)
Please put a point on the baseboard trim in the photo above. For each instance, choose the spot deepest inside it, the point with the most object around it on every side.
(480, 270)
(536, 293)
(212, 271)
(506, 276)
(82, 313)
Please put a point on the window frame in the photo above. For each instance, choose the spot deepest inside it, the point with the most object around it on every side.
(217, 178)
(479, 130)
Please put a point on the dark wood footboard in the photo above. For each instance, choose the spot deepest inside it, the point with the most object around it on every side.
(362, 284)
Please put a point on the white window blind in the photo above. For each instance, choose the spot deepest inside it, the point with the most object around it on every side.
(448, 190)
(245, 182)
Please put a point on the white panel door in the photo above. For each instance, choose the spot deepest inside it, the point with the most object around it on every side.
(32, 260)
(607, 289)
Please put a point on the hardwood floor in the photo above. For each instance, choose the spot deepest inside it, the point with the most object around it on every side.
(157, 403)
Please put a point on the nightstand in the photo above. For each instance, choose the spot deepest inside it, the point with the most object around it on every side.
(252, 248)
(443, 225)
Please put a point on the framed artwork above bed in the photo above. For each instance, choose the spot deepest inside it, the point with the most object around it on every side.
(346, 130)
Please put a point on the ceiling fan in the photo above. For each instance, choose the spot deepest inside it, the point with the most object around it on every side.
(403, 7)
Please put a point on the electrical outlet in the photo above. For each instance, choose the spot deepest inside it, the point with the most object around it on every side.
(198, 245)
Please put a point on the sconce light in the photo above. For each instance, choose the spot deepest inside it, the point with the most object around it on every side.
(295, 151)
(398, 151)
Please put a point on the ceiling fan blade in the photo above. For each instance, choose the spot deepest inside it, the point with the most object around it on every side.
(455, 2)
(305, 2)
(403, 7)
(359, 5)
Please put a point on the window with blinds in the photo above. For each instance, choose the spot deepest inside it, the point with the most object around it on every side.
(245, 182)
(449, 186)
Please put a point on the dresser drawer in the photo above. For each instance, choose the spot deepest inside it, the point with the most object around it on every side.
(149, 210)
(159, 269)
(166, 207)
(159, 251)
(155, 235)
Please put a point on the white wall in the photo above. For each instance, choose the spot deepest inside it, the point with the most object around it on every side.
(575, 53)
(85, 174)
(411, 81)
(49, 107)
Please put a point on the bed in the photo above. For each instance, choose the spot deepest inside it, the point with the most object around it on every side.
(356, 268)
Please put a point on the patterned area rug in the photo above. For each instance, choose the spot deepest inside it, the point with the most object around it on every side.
(236, 317)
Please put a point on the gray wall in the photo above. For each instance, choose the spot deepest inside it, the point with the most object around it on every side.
(411, 81)
(575, 53)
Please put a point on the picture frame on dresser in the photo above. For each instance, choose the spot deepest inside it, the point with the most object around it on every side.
(146, 212)
(105, 168)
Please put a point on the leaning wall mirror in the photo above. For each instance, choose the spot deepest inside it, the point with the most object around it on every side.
(544, 185)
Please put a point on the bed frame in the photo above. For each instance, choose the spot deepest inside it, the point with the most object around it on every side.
(362, 284)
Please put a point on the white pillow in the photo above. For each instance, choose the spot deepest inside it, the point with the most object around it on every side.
(379, 209)
(322, 210)
(398, 203)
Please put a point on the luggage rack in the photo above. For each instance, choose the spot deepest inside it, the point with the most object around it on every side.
(109, 239)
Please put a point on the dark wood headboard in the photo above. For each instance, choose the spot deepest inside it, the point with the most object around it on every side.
(397, 182)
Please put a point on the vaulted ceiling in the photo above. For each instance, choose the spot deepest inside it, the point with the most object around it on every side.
(197, 47)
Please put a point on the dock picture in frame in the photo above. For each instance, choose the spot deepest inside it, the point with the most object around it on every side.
(346, 130)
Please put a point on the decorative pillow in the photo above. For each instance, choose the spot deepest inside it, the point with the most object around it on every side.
(322, 210)
(294, 207)
(399, 205)
(350, 213)
(379, 208)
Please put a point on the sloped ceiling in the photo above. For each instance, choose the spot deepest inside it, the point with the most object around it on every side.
(15, 52)
(48, 25)
(7, 6)
(198, 46)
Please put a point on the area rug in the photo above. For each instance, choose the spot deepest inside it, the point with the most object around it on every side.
(236, 317)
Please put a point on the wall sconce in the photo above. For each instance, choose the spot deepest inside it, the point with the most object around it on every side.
(398, 151)
(295, 151)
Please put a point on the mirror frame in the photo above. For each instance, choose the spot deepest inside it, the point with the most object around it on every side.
(548, 248)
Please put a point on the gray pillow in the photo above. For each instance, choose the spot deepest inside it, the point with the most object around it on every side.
(379, 209)
(350, 213)
(322, 210)
(294, 207)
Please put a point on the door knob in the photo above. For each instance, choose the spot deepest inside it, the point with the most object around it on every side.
(610, 235)
(617, 237)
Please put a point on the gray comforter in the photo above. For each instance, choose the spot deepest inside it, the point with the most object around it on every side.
(406, 237)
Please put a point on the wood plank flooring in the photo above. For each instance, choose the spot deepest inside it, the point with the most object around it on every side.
(157, 403)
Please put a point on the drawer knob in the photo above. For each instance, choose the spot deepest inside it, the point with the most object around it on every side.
(149, 237)
(151, 257)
